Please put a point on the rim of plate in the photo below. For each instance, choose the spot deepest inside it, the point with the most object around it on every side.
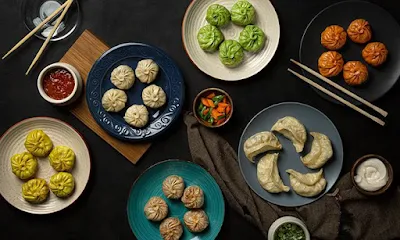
(275, 47)
(290, 103)
(12, 127)
(162, 162)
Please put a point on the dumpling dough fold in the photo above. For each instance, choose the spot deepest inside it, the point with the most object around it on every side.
(321, 151)
(292, 129)
(268, 174)
(307, 185)
(259, 143)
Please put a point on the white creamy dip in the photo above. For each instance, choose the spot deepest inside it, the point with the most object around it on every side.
(371, 175)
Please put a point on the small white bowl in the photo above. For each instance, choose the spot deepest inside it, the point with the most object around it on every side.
(76, 92)
(287, 219)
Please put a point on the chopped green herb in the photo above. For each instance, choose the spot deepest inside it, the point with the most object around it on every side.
(289, 231)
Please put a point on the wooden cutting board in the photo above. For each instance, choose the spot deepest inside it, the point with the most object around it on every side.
(82, 55)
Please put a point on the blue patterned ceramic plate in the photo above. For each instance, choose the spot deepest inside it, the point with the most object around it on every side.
(150, 184)
(169, 78)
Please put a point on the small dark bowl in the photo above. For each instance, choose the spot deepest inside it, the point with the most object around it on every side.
(388, 168)
(204, 93)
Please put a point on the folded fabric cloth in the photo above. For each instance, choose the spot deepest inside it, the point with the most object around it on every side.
(370, 218)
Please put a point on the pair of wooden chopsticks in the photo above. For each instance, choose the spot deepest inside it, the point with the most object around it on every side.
(65, 6)
(338, 98)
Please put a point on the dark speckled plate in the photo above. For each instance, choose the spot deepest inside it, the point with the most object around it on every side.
(385, 29)
(169, 78)
(314, 121)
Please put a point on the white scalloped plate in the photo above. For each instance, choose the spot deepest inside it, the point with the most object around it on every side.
(12, 142)
(209, 63)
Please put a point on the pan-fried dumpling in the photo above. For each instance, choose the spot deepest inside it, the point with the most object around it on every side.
(196, 220)
(355, 73)
(38, 143)
(292, 129)
(307, 185)
(259, 143)
(114, 100)
(123, 77)
(330, 64)
(268, 174)
(62, 158)
(360, 31)
(137, 116)
(35, 190)
(321, 151)
(156, 209)
(62, 184)
(193, 197)
(173, 187)
(334, 37)
(24, 165)
(375, 53)
(154, 96)
(147, 70)
(171, 229)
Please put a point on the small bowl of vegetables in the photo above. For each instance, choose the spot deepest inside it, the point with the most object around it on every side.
(213, 107)
(288, 228)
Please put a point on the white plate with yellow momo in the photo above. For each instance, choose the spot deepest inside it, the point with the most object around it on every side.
(61, 134)
(302, 131)
(265, 18)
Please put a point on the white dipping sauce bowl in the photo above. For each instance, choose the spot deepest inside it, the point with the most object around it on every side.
(76, 92)
(287, 219)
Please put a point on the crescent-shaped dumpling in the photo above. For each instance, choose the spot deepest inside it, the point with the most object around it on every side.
(292, 129)
(268, 174)
(259, 143)
(321, 151)
(307, 185)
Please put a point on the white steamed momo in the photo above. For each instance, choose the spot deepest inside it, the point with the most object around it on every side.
(292, 129)
(268, 174)
(114, 100)
(307, 185)
(154, 96)
(321, 151)
(137, 116)
(173, 187)
(147, 70)
(259, 143)
(123, 77)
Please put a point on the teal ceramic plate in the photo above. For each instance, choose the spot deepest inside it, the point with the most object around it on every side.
(149, 184)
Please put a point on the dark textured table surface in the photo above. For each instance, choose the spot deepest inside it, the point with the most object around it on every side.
(100, 213)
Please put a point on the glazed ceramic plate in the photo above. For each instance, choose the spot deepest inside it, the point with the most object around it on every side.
(12, 142)
(169, 78)
(314, 121)
(385, 29)
(149, 184)
(209, 63)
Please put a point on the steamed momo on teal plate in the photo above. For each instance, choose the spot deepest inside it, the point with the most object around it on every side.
(218, 15)
(231, 53)
(243, 13)
(252, 38)
(209, 38)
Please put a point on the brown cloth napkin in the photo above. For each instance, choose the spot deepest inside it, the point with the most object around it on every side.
(368, 218)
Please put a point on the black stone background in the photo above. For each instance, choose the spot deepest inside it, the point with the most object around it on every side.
(100, 213)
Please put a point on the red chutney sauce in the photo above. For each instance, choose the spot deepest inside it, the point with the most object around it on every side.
(58, 83)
